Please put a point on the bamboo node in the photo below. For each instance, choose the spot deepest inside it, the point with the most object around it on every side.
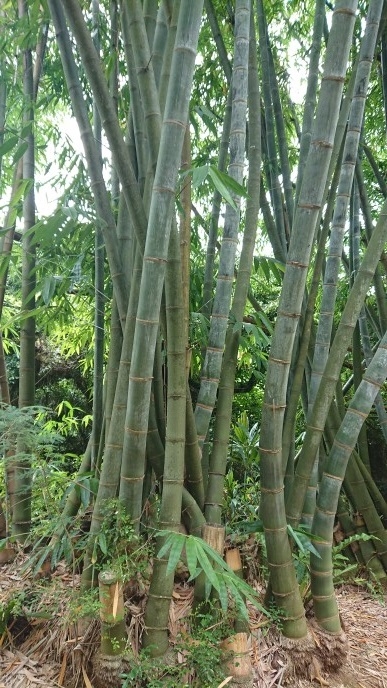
(129, 479)
(280, 360)
(297, 264)
(276, 490)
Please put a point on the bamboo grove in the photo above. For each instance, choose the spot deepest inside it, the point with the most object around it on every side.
(192, 146)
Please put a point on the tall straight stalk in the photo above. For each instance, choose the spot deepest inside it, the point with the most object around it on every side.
(156, 248)
(222, 301)
(218, 458)
(208, 284)
(161, 588)
(21, 517)
(99, 287)
(284, 583)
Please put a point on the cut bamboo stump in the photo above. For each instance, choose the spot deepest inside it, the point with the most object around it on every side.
(214, 536)
(7, 555)
(112, 613)
(234, 561)
(238, 662)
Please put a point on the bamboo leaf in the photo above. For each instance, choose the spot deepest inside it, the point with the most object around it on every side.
(229, 182)
(164, 549)
(221, 187)
(191, 554)
(296, 539)
(249, 526)
(20, 152)
(199, 174)
(102, 541)
(48, 289)
(238, 599)
(8, 145)
(175, 552)
(223, 595)
(207, 567)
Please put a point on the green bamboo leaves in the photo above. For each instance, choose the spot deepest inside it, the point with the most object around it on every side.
(202, 558)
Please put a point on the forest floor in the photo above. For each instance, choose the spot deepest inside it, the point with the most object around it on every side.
(53, 652)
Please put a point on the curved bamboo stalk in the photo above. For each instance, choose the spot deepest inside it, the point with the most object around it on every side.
(108, 115)
(110, 471)
(136, 114)
(194, 473)
(218, 38)
(311, 92)
(332, 370)
(104, 211)
(272, 163)
(324, 599)
(284, 584)
(380, 293)
(333, 261)
(282, 142)
(159, 42)
(150, 12)
(220, 312)
(133, 19)
(357, 356)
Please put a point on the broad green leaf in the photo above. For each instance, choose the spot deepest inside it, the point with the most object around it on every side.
(199, 174)
(230, 183)
(85, 494)
(303, 540)
(207, 587)
(215, 556)
(164, 549)
(296, 538)
(221, 187)
(207, 567)
(265, 321)
(22, 189)
(26, 129)
(223, 595)
(8, 145)
(48, 289)
(191, 554)
(102, 542)
(237, 598)
(249, 526)
(175, 553)
(20, 152)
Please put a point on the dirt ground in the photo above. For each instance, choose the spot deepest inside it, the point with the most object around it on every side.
(46, 652)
